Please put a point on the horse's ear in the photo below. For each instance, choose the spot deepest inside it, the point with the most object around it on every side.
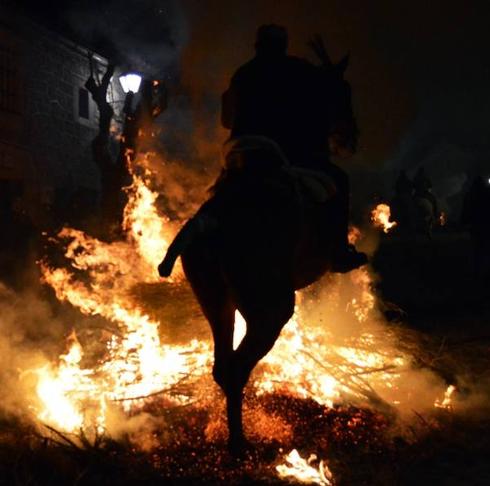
(341, 66)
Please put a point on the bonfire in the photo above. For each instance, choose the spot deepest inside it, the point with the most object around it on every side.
(335, 350)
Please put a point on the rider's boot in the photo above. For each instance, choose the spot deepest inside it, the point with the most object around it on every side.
(194, 227)
(344, 256)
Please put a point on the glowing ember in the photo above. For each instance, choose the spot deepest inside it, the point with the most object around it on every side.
(353, 235)
(303, 471)
(446, 402)
(442, 219)
(380, 217)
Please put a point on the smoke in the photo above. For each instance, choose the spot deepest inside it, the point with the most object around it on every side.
(142, 35)
(450, 77)
(30, 335)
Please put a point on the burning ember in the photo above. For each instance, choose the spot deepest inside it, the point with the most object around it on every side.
(442, 219)
(380, 217)
(302, 470)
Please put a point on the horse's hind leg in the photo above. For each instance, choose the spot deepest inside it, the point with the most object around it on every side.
(263, 328)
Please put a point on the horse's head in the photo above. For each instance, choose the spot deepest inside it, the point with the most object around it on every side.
(343, 130)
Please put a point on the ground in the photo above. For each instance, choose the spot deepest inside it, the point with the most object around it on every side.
(428, 286)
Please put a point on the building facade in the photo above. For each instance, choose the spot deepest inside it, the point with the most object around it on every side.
(47, 118)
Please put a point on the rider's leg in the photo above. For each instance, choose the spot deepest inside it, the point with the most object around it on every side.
(345, 257)
(203, 221)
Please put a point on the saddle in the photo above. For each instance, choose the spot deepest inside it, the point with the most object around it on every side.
(257, 152)
(262, 156)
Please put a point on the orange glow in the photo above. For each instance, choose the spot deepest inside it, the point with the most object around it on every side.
(446, 402)
(442, 218)
(307, 361)
(303, 471)
(380, 217)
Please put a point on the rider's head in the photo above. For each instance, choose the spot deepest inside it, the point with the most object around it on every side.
(272, 40)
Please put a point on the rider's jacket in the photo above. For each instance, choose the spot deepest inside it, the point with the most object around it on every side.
(282, 98)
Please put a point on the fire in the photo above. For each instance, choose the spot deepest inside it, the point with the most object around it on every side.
(353, 235)
(136, 364)
(80, 392)
(60, 389)
(302, 470)
(446, 402)
(380, 216)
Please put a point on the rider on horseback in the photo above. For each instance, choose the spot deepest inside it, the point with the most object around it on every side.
(423, 188)
(288, 100)
(285, 107)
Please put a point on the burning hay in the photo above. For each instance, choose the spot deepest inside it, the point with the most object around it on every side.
(303, 471)
(335, 350)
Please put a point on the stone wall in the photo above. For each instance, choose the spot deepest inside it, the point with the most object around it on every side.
(57, 140)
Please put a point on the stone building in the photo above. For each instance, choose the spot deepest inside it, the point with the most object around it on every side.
(47, 120)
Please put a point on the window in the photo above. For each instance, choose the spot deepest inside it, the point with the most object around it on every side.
(83, 104)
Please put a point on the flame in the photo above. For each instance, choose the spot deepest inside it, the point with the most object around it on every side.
(147, 229)
(302, 470)
(380, 217)
(80, 392)
(446, 402)
(353, 235)
(136, 364)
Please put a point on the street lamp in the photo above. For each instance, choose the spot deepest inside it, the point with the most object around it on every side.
(130, 82)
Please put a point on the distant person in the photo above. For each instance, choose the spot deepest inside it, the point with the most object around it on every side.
(403, 185)
(476, 217)
(421, 181)
(423, 189)
(288, 100)
(403, 209)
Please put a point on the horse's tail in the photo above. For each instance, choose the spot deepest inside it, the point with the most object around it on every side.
(197, 225)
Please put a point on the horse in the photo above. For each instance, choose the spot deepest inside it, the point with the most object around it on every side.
(250, 247)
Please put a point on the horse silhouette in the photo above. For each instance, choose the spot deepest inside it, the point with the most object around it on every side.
(414, 213)
(252, 245)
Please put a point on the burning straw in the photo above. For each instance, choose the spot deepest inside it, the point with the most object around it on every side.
(335, 348)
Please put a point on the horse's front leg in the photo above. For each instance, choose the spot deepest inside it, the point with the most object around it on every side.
(262, 332)
(237, 442)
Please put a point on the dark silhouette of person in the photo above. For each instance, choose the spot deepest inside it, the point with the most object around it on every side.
(403, 202)
(423, 188)
(476, 216)
(288, 100)
(403, 185)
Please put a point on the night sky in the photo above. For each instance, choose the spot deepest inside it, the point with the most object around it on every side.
(420, 71)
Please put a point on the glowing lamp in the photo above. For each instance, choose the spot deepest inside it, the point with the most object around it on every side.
(130, 82)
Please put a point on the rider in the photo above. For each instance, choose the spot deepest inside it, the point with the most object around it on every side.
(403, 185)
(286, 99)
(423, 188)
